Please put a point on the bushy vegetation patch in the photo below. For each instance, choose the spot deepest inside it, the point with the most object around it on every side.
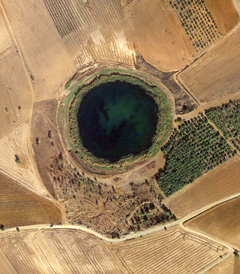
(197, 22)
(227, 119)
(192, 150)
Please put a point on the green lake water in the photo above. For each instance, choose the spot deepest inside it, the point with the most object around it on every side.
(117, 119)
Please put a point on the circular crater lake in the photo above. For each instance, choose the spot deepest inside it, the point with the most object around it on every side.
(116, 119)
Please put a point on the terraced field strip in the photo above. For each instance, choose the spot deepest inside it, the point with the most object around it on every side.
(56, 251)
(91, 31)
(171, 251)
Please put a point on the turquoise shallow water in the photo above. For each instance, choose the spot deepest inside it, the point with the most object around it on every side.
(116, 119)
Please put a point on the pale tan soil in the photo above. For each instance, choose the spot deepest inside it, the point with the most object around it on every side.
(224, 14)
(20, 206)
(46, 57)
(236, 3)
(5, 40)
(221, 182)
(216, 74)
(158, 34)
(221, 222)
(93, 32)
(74, 251)
(171, 251)
(18, 143)
(58, 251)
(226, 267)
(14, 91)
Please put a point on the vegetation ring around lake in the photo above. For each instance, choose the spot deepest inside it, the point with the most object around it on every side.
(81, 107)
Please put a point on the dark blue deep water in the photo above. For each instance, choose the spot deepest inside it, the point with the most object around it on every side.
(117, 119)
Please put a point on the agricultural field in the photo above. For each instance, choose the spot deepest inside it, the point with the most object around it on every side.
(171, 251)
(221, 182)
(69, 251)
(192, 150)
(224, 14)
(221, 222)
(16, 93)
(92, 31)
(226, 118)
(5, 40)
(58, 251)
(228, 266)
(48, 63)
(216, 74)
(60, 215)
(197, 22)
(157, 34)
(20, 206)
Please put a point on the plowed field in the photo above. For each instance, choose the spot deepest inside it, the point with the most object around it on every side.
(222, 221)
(223, 181)
(19, 207)
(217, 73)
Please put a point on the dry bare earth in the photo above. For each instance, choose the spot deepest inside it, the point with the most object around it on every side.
(71, 251)
(58, 251)
(222, 222)
(158, 35)
(225, 267)
(15, 89)
(45, 54)
(217, 73)
(229, 266)
(18, 143)
(224, 14)
(223, 181)
(19, 206)
(92, 31)
(171, 251)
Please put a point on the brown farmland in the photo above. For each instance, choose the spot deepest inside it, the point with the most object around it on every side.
(217, 73)
(172, 251)
(74, 251)
(224, 14)
(158, 34)
(227, 266)
(221, 222)
(21, 207)
(58, 251)
(223, 181)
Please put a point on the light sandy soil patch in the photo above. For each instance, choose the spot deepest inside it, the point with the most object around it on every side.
(172, 251)
(5, 41)
(223, 181)
(226, 267)
(58, 251)
(18, 143)
(158, 34)
(221, 222)
(224, 14)
(47, 59)
(20, 206)
(92, 31)
(217, 73)
(15, 92)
